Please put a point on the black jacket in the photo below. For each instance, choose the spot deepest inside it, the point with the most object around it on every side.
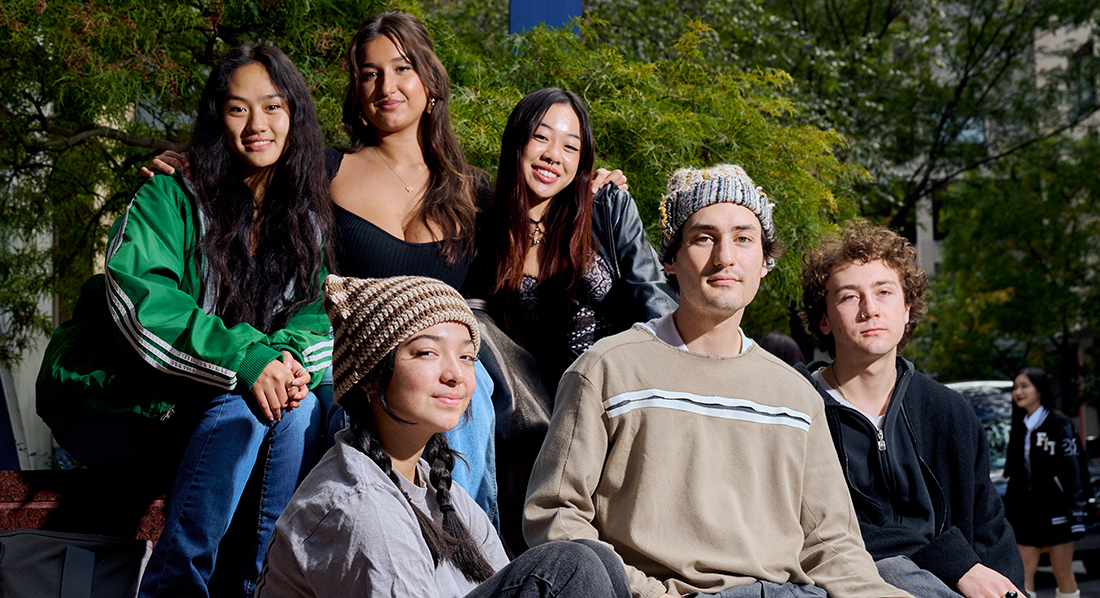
(1058, 485)
(952, 455)
(639, 289)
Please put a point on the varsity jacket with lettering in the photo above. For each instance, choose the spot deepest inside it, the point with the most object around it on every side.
(1054, 487)
(143, 336)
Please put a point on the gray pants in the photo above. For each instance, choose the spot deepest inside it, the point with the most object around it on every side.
(767, 589)
(574, 569)
(903, 573)
(898, 571)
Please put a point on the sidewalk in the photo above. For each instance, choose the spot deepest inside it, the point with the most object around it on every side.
(1088, 584)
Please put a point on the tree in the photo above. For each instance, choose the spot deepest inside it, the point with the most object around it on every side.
(928, 90)
(91, 90)
(1021, 267)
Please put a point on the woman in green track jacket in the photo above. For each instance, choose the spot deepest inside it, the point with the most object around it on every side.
(199, 343)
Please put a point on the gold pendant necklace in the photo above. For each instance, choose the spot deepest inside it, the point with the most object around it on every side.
(408, 187)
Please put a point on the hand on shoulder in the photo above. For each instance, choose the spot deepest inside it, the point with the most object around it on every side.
(167, 163)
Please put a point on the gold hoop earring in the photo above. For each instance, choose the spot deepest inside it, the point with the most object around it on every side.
(431, 104)
(363, 119)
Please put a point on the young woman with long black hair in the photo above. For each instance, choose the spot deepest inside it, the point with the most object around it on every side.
(1047, 481)
(562, 268)
(559, 267)
(379, 515)
(197, 347)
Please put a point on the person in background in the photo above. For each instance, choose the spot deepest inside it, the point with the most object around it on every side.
(1047, 482)
(703, 461)
(379, 516)
(914, 454)
(560, 269)
(784, 347)
(197, 346)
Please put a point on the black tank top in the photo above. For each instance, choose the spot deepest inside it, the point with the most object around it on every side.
(366, 251)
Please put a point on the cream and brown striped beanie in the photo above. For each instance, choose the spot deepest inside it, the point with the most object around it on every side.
(371, 316)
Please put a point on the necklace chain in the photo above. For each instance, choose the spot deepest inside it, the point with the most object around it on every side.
(836, 384)
(408, 188)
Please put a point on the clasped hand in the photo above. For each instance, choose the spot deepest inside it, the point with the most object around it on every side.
(281, 387)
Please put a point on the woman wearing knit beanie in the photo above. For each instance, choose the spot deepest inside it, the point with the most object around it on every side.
(379, 515)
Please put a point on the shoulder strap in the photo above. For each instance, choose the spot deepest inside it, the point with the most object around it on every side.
(76, 573)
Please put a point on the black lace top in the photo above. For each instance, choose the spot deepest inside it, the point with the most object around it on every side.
(557, 331)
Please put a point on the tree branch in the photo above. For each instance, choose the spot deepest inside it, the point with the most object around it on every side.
(71, 138)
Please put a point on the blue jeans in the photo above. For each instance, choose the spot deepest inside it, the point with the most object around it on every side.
(474, 437)
(228, 444)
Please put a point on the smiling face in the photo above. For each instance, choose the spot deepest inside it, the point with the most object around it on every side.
(256, 119)
(391, 94)
(550, 158)
(1024, 393)
(433, 380)
(865, 310)
(720, 261)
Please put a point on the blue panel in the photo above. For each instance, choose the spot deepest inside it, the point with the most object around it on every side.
(528, 14)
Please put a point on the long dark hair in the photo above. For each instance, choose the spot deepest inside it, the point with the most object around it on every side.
(293, 240)
(449, 201)
(450, 542)
(569, 243)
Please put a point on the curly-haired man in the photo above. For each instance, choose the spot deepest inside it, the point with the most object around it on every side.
(913, 452)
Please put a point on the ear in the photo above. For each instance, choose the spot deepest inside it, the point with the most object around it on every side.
(823, 325)
(764, 268)
(670, 268)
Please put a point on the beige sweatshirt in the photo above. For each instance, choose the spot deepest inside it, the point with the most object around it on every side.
(702, 473)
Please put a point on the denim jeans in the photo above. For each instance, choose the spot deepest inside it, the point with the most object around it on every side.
(474, 437)
(228, 444)
(574, 569)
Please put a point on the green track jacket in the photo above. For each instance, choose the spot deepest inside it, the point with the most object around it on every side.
(143, 337)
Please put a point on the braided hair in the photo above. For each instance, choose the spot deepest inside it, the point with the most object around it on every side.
(451, 542)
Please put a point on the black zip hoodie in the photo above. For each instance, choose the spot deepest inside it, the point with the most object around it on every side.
(924, 490)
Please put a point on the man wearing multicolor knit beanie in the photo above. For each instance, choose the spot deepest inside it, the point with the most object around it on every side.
(704, 461)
